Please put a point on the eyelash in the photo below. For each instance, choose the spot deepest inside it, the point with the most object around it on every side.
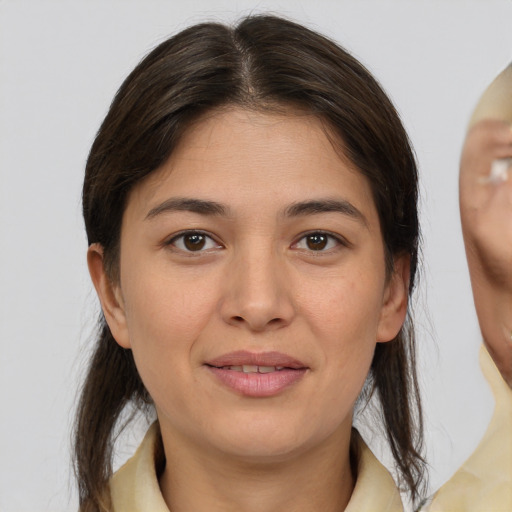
(178, 241)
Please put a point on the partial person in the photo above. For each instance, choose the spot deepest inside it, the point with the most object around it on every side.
(484, 482)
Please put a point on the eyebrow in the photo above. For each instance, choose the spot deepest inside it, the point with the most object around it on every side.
(325, 206)
(312, 207)
(199, 206)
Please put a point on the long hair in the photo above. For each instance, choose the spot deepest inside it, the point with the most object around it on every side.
(263, 63)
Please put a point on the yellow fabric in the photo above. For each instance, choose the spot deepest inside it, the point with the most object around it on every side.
(134, 488)
(484, 482)
(375, 489)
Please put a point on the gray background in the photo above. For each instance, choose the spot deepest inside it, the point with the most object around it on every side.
(60, 65)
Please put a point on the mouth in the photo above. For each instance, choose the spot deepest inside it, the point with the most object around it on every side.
(253, 362)
(251, 368)
(257, 375)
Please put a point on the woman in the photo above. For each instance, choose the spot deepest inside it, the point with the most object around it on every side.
(260, 255)
(250, 206)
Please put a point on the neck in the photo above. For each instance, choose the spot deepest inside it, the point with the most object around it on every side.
(316, 479)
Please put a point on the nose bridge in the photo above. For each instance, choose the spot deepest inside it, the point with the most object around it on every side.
(258, 294)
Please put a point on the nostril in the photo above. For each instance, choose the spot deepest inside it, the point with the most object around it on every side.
(239, 319)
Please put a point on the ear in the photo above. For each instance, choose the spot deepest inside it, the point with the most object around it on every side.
(394, 305)
(109, 294)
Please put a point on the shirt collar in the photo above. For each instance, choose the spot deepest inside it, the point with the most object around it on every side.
(135, 486)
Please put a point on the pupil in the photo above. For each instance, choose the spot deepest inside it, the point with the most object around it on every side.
(194, 242)
(317, 242)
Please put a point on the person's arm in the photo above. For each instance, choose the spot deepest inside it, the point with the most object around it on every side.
(486, 214)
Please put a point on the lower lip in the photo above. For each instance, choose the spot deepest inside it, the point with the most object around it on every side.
(258, 384)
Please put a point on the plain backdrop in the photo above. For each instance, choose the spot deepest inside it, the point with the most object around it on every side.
(60, 65)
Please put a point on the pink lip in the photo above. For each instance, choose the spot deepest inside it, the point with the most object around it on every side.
(257, 384)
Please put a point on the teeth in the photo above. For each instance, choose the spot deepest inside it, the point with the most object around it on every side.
(251, 368)
(266, 369)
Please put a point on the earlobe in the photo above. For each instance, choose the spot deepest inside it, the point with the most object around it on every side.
(109, 294)
(394, 306)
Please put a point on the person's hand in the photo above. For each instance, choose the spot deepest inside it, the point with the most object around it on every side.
(486, 214)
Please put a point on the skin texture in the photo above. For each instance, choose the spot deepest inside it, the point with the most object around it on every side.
(258, 286)
(486, 213)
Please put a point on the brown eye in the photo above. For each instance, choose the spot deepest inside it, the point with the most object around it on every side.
(194, 241)
(317, 241)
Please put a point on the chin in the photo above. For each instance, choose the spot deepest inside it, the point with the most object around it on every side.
(262, 450)
(269, 440)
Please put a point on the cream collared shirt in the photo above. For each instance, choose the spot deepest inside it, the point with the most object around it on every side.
(484, 482)
(135, 488)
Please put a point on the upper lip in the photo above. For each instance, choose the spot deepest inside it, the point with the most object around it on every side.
(244, 357)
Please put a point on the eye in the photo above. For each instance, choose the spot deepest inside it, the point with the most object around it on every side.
(318, 241)
(193, 241)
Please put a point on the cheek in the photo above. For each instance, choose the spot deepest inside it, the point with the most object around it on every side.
(165, 319)
(165, 316)
(345, 306)
(345, 318)
(161, 304)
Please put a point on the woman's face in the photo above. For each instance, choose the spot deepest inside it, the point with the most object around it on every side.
(252, 286)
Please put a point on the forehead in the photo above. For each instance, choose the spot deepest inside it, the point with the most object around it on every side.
(237, 157)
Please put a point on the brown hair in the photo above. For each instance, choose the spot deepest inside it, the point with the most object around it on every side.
(264, 62)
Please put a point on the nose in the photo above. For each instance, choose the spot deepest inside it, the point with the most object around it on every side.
(258, 296)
